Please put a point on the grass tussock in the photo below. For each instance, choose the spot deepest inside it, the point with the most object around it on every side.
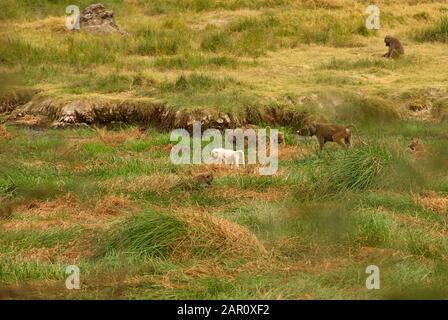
(154, 234)
(354, 170)
(440, 110)
(157, 229)
(197, 82)
(149, 234)
(435, 33)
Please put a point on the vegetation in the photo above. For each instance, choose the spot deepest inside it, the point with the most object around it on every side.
(438, 32)
(118, 208)
(109, 200)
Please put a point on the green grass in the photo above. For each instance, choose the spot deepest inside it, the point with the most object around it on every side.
(193, 62)
(149, 234)
(370, 63)
(349, 171)
(140, 227)
(437, 32)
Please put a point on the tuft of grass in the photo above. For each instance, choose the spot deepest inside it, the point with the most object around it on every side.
(159, 235)
(16, 270)
(13, 240)
(352, 170)
(373, 228)
(440, 110)
(435, 33)
(197, 82)
(367, 111)
(153, 41)
(149, 234)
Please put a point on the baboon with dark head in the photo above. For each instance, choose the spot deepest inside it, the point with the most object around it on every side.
(205, 178)
(395, 49)
(326, 132)
(416, 145)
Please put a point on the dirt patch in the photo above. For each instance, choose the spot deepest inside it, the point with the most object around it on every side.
(59, 113)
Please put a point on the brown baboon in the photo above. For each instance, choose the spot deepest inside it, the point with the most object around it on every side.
(281, 138)
(416, 145)
(325, 132)
(205, 178)
(395, 49)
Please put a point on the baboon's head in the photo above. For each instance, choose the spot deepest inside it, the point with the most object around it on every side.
(387, 40)
(303, 132)
(312, 128)
(414, 144)
(309, 130)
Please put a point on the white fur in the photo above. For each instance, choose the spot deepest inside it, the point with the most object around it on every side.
(226, 156)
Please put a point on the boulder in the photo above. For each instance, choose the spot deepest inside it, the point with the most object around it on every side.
(96, 19)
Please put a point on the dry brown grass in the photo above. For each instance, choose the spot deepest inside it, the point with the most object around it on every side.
(33, 121)
(4, 134)
(67, 211)
(114, 138)
(435, 202)
(208, 269)
(271, 194)
(112, 205)
(326, 4)
(212, 235)
(293, 152)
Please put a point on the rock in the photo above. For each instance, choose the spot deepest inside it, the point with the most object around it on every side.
(96, 19)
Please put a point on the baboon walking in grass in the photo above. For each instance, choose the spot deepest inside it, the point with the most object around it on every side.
(325, 132)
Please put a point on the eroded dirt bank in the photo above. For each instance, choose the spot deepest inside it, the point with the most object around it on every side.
(35, 109)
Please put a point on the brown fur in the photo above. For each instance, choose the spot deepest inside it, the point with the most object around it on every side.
(395, 49)
(281, 138)
(416, 145)
(206, 178)
(325, 132)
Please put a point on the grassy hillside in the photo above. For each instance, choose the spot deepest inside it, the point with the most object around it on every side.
(140, 227)
(231, 53)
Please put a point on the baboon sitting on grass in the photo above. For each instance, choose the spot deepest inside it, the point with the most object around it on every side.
(395, 49)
